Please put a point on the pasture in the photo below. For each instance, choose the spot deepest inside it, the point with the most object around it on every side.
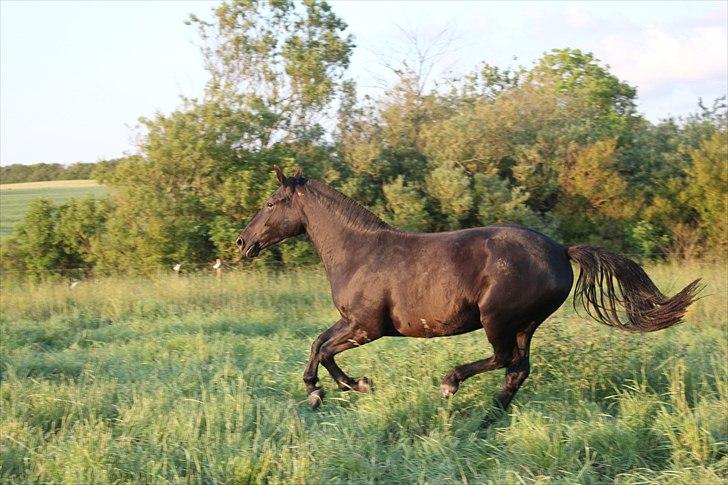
(14, 198)
(198, 379)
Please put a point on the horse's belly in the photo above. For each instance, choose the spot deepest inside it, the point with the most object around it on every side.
(419, 320)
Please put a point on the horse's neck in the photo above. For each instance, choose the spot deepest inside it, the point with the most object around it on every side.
(337, 242)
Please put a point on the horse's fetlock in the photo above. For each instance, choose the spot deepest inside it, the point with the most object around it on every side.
(448, 389)
(364, 385)
(315, 397)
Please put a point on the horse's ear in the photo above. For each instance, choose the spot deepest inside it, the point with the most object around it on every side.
(299, 172)
(279, 174)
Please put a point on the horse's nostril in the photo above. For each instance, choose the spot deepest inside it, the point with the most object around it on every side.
(239, 242)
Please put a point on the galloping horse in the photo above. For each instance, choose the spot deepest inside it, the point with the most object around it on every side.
(505, 279)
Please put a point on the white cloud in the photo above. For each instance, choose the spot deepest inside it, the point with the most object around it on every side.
(579, 19)
(654, 58)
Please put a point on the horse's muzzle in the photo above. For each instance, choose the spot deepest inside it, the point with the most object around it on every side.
(252, 251)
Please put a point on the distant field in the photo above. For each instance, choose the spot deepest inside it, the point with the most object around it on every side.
(14, 198)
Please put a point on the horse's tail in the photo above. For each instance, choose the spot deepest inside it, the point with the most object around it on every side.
(643, 307)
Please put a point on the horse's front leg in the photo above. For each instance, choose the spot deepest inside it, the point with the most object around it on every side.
(310, 375)
(342, 336)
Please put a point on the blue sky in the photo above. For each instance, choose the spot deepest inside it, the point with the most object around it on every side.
(76, 76)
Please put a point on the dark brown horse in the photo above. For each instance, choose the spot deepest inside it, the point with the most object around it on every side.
(505, 279)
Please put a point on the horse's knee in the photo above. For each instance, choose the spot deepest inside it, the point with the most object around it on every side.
(316, 345)
(324, 354)
(516, 374)
(310, 377)
(503, 359)
(520, 365)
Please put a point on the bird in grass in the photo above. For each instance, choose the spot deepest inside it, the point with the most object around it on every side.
(177, 267)
(218, 264)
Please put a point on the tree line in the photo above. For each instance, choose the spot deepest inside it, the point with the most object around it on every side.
(40, 172)
(558, 146)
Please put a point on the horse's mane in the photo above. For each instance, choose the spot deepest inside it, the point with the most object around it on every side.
(353, 214)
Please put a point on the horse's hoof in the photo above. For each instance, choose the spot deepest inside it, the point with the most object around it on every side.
(315, 398)
(448, 390)
(363, 385)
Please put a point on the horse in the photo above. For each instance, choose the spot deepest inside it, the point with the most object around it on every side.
(506, 279)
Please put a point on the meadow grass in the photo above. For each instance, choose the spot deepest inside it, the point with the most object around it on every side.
(15, 198)
(198, 379)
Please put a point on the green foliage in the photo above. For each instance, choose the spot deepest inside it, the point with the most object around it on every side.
(405, 205)
(500, 202)
(707, 191)
(450, 188)
(37, 245)
(646, 241)
(558, 147)
(579, 74)
(53, 241)
(593, 202)
(81, 222)
(275, 62)
(37, 172)
(204, 170)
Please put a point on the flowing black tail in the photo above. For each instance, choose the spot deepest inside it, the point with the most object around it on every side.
(644, 307)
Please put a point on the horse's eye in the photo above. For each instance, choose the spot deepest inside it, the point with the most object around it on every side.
(270, 204)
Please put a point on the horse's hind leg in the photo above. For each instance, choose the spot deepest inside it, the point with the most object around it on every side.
(518, 370)
(515, 375)
(511, 351)
(458, 374)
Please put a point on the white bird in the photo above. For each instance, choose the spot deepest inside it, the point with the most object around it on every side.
(217, 264)
(177, 267)
(74, 284)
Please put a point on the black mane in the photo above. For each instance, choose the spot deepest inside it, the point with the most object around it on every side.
(354, 214)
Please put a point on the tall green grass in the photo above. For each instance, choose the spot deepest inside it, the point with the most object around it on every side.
(198, 379)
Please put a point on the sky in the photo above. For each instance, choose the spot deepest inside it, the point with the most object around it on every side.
(75, 76)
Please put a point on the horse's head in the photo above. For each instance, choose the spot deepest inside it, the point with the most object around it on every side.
(279, 219)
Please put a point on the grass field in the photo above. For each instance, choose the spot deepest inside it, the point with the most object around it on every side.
(14, 198)
(197, 379)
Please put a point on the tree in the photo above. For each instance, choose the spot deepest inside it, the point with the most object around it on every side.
(450, 189)
(498, 201)
(405, 205)
(35, 240)
(708, 190)
(205, 169)
(592, 204)
(54, 241)
(81, 223)
(276, 61)
(580, 74)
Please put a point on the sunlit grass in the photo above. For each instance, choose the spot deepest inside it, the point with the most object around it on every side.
(198, 379)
